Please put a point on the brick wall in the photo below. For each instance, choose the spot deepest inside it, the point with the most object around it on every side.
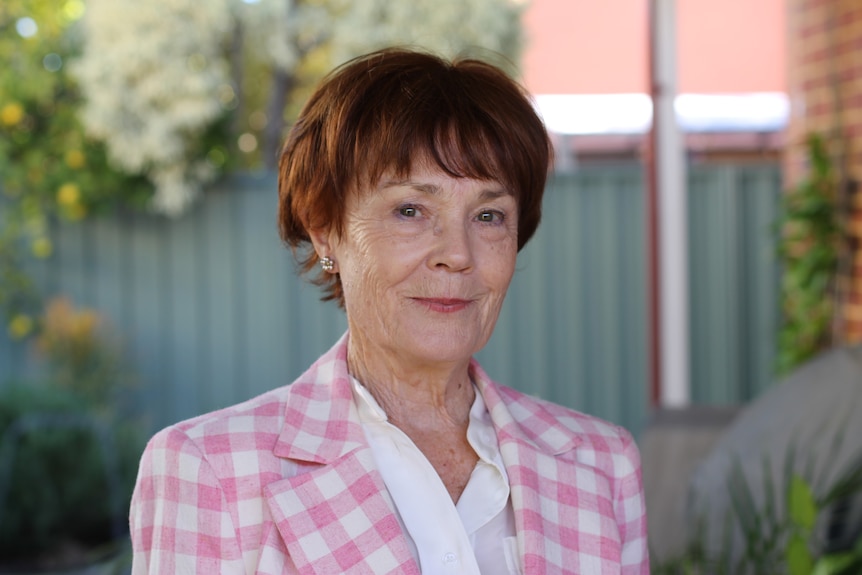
(825, 85)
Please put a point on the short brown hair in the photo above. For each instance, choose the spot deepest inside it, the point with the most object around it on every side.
(385, 110)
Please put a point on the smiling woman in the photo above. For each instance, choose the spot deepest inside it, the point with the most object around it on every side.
(413, 182)
(424, 265)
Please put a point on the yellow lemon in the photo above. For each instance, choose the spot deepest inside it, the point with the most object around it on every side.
(75, 159)
(68, 195)
(21, 326)
(73, 9)
(41, 247)
(11, 113)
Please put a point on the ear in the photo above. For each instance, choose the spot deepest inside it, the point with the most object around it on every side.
(324, 241)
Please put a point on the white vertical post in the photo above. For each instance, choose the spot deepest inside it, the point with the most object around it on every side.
(672, 214)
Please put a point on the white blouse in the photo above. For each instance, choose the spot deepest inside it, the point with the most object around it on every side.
(476, 536)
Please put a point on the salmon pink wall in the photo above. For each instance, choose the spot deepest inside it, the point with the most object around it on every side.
(600, 46)
(732, 46)
(585, 46)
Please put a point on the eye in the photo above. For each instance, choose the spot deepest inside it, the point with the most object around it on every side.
(408, 211)
(490, 216)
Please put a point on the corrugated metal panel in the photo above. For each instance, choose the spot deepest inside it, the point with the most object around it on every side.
(211, 311)
(573, 329)
(734, 281)
(207, 306)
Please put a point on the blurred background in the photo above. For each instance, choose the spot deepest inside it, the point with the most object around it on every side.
(700, 246)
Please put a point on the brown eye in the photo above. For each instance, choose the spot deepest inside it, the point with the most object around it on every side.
(489, 216)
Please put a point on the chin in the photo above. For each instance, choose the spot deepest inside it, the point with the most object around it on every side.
(446, 347)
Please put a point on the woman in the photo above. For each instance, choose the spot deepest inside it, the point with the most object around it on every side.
(412, 183)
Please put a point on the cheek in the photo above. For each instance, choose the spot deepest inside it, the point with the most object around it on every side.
(357, 251)
(387, 258)
(502, 259)
(372, 269)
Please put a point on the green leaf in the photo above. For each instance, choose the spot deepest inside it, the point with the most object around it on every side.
(798, 557)
(834, 563)
(801, 503)
(742, 502)
(769, 500)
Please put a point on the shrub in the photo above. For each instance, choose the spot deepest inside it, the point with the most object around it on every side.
(65, 475)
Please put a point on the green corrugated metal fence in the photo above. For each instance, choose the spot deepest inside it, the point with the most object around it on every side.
(734, 276)
(211, 311)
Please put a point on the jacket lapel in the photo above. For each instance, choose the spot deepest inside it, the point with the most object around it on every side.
(339, 518)
(563, 511)
(336, 517)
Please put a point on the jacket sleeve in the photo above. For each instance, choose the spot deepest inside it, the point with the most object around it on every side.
(630, 509)
(179, 518)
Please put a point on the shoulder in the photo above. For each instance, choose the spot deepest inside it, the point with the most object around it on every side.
(593, 440)
(257, 422)
(243, 437)
(220, 445)
(589, 428)
(200, 487)
(260, 415)
(548, 422)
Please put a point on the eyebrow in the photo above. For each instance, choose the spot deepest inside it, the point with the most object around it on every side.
(432, 189)
(419, 186)
(491, 194)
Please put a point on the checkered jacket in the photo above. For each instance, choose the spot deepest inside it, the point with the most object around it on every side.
(286, 483)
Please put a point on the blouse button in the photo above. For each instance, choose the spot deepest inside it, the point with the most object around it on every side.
(449, 558)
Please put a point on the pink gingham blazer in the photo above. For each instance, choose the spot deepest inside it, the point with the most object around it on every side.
(286, 483)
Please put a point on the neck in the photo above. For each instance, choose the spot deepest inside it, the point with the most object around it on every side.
(414, 394)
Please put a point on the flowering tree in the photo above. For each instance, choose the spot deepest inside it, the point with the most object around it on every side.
(159, 75)
(121, 101)
(155, 82)
(444, 27)
(49, 167)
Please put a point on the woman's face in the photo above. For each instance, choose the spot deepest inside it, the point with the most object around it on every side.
(425, 262)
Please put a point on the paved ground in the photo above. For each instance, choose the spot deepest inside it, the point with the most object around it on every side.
(672, 445)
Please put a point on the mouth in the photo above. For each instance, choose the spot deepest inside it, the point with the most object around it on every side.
(443, 305)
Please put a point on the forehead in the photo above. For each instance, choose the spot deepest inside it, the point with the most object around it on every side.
(427, 178)
(445, 150)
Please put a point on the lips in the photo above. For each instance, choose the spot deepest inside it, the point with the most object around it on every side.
(444, 305)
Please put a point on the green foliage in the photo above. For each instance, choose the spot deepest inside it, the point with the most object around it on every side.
(801, 504)
(44, 146)
(74, 345)
(846, 563)
(773, 543)
(69, 447)
(58, 490)
(799, 561)
(808, 248)
(804, 511)
(762, 528)
(49, 168)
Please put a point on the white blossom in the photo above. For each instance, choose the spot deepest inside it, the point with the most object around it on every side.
(447, 27)
(283, 27)
(155, 73)
(150, 74)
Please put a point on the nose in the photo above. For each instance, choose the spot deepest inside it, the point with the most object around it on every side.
(453, 250)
